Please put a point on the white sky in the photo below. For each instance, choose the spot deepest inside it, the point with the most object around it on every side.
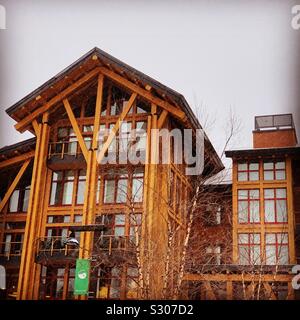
(235, 54)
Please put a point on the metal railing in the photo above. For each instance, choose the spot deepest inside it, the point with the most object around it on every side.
(10, 249)
(274, 121)
(111, 243)
(54, 246)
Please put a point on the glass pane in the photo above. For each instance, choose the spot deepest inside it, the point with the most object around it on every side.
(67, 193)
(242, 166)
(137, 189)
(269, 211)
(282, 238)
(243, 211)
(270, 255)
(78, 218)
(122, 191)
(57, 175)
(243, 194)
(268, 165)
(283, 254)
(271, 238)
(244, 255)
(119, 231)
(281, 193)
(255, 255)
(254, 211)
(253, 166)
(268, 175)
(26, 199)
(80, 192)
(253, 176)
(88, 128)
(109, 190)
(269, 193)
(13, 202)
(254, 194)
(62, 133)
(120, 219)
(242, 176)
(255, 238)
(67, 219)
(280, 165)
(281, 211)
(55, 193)
(243, 238)
(280, 175)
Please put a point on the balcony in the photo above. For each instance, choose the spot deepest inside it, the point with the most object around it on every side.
(10, 252)
(110, 249)
(54, 249)
(65, 155)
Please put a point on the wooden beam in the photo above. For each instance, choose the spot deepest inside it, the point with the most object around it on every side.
(36, 127)
(76, 128)
(179, 114)
(162, 119)
(116, 127)
(17, 159)
(98, 110)
(238, 277)
(24, 123)
(14, 184)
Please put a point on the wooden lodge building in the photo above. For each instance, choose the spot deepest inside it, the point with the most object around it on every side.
(133, 221)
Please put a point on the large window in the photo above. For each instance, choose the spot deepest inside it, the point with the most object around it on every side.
(121, 187)
(249, 248)
(274, 170)
(275, 203)
(277, 250)
(62, 187)
(248, 206)
(19, 199)
(248, 171)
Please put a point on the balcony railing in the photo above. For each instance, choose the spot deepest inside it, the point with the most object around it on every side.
(10, 250)
(277, 121)
(54, 247)
(113, 244)
(62, 149)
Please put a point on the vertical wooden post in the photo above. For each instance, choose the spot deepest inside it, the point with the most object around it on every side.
(34, 213)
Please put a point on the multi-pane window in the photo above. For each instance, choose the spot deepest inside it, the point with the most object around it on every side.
(62, 187)
(275, 203)
(277, 250)
(213, 215)
(274, 170)
(213, 255)
(248, 171)
(249, 248)
(19, 199)
(116, 188)
(13, 244)
(248, 206)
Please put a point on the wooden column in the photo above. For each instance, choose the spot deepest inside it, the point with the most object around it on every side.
(34, 213)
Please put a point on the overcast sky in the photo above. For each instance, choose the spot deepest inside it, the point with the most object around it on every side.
(221, 55)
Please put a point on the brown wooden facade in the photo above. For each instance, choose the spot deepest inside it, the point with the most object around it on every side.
(58, 181)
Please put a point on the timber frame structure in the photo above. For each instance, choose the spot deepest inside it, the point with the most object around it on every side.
(59, 181)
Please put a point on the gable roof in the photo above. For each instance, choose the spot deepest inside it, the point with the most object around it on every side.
(85, 64)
